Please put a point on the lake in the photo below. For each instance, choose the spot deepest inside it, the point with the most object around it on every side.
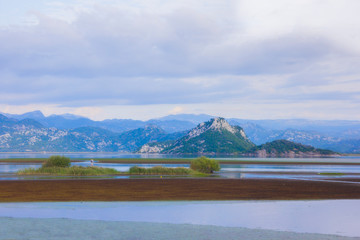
(334, 217)
(288, 171)
(337, 219)
(89, 155)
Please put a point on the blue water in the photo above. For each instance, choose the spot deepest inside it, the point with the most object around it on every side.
(298, 171)
(244, 168)
(344, 159)
(340, 217)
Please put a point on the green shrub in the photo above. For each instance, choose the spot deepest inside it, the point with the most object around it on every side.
(57, 161)
(331, 173)
(205, 165)
(69, 171)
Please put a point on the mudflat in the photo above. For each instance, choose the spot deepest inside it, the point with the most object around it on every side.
(174, 189)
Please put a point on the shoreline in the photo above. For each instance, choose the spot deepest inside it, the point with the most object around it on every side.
(150, 189)
(177, 161)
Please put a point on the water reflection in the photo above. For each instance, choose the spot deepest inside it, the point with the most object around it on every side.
(124, 167)
(13, 168)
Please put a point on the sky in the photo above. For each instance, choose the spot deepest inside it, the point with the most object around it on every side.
(250, 59)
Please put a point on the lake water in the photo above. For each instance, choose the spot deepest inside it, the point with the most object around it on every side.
(225, 219)
(345, 159)
(292, 171)
(336, 217)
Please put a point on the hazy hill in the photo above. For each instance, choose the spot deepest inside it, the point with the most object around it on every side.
(28, 135)
(70, 121)
(136, 138)
(285, 148)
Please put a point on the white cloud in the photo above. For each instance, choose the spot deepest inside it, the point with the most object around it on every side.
(176, 110)
(219, 56)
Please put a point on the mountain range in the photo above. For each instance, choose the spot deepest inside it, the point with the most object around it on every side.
(69, 121)
(218, 137)
(28, 135)
(35, 132)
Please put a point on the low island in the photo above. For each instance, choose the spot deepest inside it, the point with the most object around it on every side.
(61, 166)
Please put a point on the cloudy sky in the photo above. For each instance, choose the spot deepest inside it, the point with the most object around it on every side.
(254, 59)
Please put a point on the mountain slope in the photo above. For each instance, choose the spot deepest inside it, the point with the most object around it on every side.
(213, 137)
(217, 136)
(28, 135)
(33, 115)
(340, 136)
(346, 141)
(70, 121)
(285, 148)
(136, 138)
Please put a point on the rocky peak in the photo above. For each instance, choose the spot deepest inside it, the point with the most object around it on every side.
(221, 124)
(217, 124)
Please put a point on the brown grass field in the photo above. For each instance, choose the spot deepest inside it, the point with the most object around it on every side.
(174, 189)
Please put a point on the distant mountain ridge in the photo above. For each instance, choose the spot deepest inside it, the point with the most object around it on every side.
(341, 136)
(217, 136)
(28, 135)
(70, 121)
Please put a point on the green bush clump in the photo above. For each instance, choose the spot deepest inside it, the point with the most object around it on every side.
(57, 161)
(69, 171)
(157, 170)
(331, 173)
(205, 165)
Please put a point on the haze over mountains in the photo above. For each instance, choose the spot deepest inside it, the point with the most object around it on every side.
(34, 132)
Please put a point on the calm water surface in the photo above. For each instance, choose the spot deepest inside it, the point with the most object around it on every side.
(340, 217)
(345, 159)
(291, 171)
(8, 170)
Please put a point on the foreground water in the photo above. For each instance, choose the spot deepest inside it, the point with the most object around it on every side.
(334, 217)
(338, 219)
(69, 229)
